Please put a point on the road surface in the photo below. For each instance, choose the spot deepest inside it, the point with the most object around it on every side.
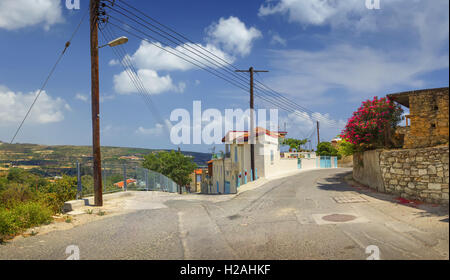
(311, 215)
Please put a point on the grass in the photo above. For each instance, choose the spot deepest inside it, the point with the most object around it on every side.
(101, 213)
(21, 217)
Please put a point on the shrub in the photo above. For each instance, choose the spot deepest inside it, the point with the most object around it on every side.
(15, 194)
(366, 128)
(65, 189)
(345, 148)
(51, 201)
(8, 226)
(22, 216)
(31, 214)
(326, 149)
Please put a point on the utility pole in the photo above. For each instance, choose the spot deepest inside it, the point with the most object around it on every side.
(318, 134)
(252, 110)
(95, 88)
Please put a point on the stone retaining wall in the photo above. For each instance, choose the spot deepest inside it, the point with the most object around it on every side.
(421, 174)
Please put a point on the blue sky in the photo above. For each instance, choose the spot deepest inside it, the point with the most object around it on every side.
(326, 55)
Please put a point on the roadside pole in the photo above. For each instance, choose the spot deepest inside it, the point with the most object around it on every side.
(251, 138)
(95, 88)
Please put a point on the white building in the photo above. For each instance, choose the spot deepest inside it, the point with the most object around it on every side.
(233, 169)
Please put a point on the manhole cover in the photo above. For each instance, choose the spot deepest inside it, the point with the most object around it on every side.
(339, 218)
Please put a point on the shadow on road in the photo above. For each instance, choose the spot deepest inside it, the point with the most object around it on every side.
(343, 182)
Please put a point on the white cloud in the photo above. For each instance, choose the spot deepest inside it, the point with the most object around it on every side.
(81, 97)
(301, 125)
(157, 130)
(149, 56)
(154, 83)
(411, 40)
(232, 35)
(16, 14)
(277, 39)
(320, 12)
(361, 71)
(15, 105)
(113, 62)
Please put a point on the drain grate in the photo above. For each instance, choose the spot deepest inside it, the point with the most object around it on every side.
(340, 218)
(349, 199)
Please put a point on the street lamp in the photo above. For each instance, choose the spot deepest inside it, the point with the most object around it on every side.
(116, 42)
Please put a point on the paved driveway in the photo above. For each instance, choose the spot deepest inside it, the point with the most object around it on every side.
(311, 215)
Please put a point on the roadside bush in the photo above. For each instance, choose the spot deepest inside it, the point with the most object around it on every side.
(31, 214)
(65, 189)
(51, 201)
(15, 194)
(21, 217)
(8, 226)
(3, 183)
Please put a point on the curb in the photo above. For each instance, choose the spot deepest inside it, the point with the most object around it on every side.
(89, 201)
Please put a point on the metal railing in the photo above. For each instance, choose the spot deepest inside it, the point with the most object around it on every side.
(123, 177)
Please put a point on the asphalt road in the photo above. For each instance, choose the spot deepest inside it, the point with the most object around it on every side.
(283, 219)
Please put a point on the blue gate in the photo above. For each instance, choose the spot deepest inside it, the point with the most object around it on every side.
(227, 187)
(299, 163)
(325, 162)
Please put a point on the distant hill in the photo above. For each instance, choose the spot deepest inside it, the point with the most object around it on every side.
(56, 160)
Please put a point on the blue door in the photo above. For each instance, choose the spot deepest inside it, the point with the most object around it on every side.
(217, 186)
(245, 177)
(335, 162)
(227, 187)
(299, 163)
(325, 162)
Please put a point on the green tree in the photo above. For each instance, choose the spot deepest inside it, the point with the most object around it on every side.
(345, 148)
(172, 164)
(326, 149)
(294, 143)
(18, 175)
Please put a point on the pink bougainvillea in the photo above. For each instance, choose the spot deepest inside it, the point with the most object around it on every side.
(366, 128)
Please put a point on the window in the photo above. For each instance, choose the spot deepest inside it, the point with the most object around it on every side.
(235, 154)
(271, 156)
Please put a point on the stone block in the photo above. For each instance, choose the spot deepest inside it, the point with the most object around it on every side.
(434, 186)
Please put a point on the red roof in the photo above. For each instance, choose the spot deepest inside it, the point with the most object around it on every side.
(198, 171)
(120, 184)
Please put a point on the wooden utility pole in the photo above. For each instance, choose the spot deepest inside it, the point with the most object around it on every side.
(318, 134)
(95, 88)
(252, 110)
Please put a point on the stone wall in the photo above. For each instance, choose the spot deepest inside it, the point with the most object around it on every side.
(421, 174)
(366, 169)
(429, 119)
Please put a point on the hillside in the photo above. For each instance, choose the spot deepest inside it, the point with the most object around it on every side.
(57, 160)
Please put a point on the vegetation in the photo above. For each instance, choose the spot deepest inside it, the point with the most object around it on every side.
(326, 149)
(371, 125)
(28, 200)
(172, 164)
(345, 148)
(50, 161)
(294, 143)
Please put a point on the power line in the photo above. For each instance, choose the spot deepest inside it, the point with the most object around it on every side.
(66, 46)
(276, 98)
(130, 70)
(265, 89)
